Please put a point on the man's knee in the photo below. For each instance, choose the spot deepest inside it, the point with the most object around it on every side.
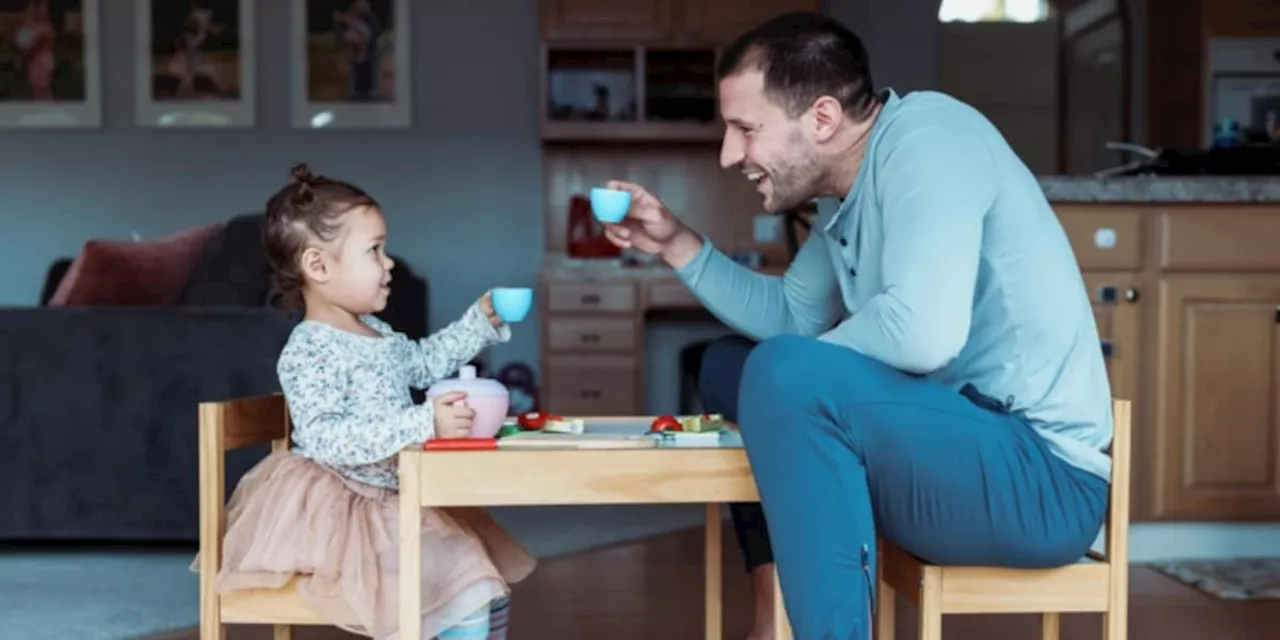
(783, 363)
(720, 372)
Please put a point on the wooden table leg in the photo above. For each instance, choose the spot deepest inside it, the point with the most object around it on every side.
(781, 624)
(714, 573)
(410, 547)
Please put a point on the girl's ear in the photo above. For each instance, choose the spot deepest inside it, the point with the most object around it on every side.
(315, 266)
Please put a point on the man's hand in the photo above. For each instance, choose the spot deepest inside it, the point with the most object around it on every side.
(651, 228)
(486, 306)
(453, 416)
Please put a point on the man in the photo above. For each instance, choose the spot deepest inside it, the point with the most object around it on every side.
(928, 367)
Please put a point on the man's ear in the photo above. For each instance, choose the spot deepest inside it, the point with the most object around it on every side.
(827, 114)
(315, 266)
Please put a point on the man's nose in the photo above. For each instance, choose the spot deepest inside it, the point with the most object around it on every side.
(731, 152)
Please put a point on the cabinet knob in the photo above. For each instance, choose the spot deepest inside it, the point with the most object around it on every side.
(591, 298)
(1108, 348)
(590, 338)
(589, 394)
(1131, 294)
(1107, 294)
(1278, 314)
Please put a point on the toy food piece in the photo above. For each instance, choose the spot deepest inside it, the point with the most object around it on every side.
(666, 423)
(556, 424)
(703, 423)
(532, 421)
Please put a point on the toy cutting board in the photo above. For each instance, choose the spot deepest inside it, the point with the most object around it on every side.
(539, 440)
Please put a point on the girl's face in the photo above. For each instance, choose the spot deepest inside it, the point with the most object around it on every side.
(356, 267)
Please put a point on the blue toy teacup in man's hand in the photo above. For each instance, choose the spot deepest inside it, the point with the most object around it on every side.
(512, 303)
(610, 205)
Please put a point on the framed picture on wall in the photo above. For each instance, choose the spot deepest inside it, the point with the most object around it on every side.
(194, 63)
(50, 72)
(352, 64)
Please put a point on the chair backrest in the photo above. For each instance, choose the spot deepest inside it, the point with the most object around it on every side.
(225, 426)
(1117, 536)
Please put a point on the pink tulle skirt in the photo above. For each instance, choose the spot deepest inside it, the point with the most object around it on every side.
(291, 517)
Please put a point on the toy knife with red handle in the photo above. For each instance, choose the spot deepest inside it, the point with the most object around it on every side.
(460, 444)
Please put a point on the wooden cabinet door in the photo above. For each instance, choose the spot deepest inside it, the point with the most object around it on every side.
(634, 20)
(1217, 419)
(720, 21)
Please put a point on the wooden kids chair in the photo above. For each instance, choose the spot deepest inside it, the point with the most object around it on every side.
(1099, 583)
(225, 426)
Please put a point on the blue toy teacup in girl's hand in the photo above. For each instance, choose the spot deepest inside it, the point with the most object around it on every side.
(610, 205)
(512, 303)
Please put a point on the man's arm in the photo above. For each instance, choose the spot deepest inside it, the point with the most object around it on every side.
(936, 185)
(805, 300)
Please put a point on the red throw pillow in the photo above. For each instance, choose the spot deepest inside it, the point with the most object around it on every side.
(111, 273)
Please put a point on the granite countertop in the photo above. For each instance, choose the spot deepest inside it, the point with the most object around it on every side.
(1157, 189)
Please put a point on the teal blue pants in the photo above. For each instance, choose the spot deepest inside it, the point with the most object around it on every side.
(843, 447)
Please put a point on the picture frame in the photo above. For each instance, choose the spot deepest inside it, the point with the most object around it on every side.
(352, 64)
(53, 79)
(194, 67)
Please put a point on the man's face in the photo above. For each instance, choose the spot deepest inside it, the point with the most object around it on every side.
(770, 148)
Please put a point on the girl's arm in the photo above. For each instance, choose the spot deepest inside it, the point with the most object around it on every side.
(343, 409)
(442, 353)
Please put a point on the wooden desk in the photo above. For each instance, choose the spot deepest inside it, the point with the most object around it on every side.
(592, 319)
(712, 475)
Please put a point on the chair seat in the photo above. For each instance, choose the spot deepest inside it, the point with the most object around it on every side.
(272, 606)
(1080, 587)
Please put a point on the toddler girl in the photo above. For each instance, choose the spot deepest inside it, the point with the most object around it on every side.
(325, 513)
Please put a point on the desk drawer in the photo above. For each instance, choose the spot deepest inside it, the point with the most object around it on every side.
(1226, 237)
(591, 296)
(595, 385)
(591, 333)
(1103, 238)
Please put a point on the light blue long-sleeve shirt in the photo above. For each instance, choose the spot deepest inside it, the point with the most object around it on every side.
(945, 259)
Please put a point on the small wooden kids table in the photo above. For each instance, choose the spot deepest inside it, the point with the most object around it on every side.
(576, 474)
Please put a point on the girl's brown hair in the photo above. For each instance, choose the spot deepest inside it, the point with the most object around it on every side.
(308, 209)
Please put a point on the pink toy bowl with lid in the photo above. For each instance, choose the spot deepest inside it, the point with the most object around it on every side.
(488, 398)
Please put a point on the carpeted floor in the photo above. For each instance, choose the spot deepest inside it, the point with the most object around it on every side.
(126, 593)
(1228, 579)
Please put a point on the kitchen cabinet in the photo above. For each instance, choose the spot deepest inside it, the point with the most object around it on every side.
(1187, 300)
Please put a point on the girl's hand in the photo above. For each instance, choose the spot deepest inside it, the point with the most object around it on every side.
(453, 416)
(486, 305)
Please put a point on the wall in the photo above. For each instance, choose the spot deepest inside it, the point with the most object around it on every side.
(461, 188)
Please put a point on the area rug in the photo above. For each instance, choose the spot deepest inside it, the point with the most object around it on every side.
(1228, 579)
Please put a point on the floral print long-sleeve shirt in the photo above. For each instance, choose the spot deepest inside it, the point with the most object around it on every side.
(348, 394)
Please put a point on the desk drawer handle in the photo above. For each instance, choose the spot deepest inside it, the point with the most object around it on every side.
(589, 394)
(590, 298)
(590, 338)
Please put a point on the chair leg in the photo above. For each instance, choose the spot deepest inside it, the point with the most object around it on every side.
(1115, 624)
(885, 604)
(930, 608)
(1050, 626)
(282, 632)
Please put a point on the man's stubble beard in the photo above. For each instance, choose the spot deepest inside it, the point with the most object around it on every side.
(794, 181)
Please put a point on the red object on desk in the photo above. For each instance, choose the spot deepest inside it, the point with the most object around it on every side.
(461, 444)
(585, 235)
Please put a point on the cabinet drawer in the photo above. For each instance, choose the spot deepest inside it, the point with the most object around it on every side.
(1103, 238)
(591, 296)
(1222, 237)
(591, 334)
(591, 385)
(671, 295)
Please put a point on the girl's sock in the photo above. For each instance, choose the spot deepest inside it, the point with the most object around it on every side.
(499, 611)
(472, 627)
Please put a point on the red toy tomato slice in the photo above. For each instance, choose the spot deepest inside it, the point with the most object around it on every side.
(666, 423)
(532, 421)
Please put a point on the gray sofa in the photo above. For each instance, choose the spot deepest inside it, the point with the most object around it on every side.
(98, 405)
